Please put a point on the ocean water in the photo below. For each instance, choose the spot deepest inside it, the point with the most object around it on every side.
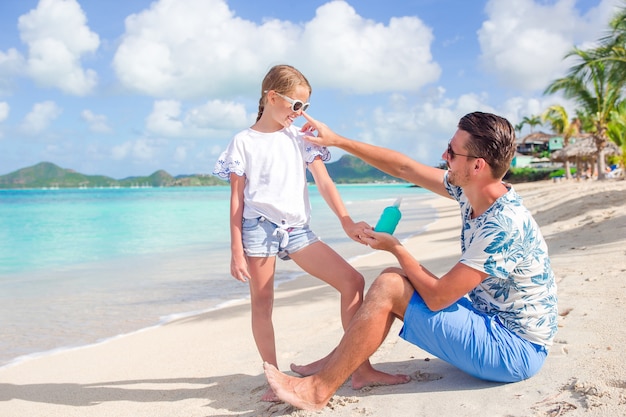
(79, 266)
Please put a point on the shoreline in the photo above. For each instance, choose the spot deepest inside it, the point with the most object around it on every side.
(285, 276)
(207, 364)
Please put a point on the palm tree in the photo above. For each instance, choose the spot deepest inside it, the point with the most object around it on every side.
(617, 129)
(531, 121)
(612, 47)
(559, 121)
(593, 86)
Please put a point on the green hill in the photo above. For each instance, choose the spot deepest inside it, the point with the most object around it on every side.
(352, 170)
(348, 169)
(49, 175)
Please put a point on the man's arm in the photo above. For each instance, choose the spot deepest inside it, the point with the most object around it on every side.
(437, 293)
(387, 160)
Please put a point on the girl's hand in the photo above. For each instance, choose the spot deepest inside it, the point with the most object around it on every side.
(380, 240)
(239, 267)
(355, 231)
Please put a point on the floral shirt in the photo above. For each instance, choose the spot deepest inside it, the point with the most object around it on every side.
(506, 243)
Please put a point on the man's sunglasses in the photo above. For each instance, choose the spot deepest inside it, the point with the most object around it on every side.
(452, 154)
(296, 105)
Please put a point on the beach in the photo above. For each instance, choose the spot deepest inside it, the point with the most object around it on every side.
(207, 364)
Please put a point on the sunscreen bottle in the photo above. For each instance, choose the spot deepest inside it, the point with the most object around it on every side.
(390, 218)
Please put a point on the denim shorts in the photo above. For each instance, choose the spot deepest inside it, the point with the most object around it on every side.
(472, 341)
(262, 238)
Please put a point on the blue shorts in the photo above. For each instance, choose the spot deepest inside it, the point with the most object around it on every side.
(472, 341)
(262, 238)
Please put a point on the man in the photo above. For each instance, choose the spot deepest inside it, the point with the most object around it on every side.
(502, 332)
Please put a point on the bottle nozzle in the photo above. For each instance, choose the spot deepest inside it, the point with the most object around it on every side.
(397, 202)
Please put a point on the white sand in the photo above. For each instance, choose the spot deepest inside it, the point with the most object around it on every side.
(208, 365)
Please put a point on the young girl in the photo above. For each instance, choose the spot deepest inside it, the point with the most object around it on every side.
(270, 210)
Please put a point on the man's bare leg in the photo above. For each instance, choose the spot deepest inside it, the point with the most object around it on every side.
(387, 298)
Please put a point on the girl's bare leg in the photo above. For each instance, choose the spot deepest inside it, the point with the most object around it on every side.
(387, 299)
(324, 263)
(262, 303)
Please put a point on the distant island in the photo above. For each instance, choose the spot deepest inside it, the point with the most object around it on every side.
(347, 170)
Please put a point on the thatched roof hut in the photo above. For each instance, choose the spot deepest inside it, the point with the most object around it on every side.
(536, 137)
(584, 147)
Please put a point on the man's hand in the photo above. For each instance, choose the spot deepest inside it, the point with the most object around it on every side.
(380, 240)
(324, 137)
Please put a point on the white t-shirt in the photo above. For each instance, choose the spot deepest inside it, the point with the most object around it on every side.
(274, 165)
(506, 243)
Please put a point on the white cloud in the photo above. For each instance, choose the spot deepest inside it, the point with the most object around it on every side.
(420, 130)
(165, 118)
(4, 111)
(143, 149)
(215, 150)
(524, 42)
(180, 154)
(57, 36)
(40, 117)
(215, 118)
(194, 48)
(97, 122)
(516, 108)
(218, 114)
(346, 51)
(4, 114)
(186, 48)
(11, 64)
(121, 151)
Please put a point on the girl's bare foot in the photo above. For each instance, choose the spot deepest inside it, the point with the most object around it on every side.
(310, 369)
(364, 376)
(270, 396)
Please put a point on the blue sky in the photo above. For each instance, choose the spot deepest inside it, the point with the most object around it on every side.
(124, 88)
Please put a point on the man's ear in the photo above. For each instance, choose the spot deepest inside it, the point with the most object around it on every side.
(480, 164)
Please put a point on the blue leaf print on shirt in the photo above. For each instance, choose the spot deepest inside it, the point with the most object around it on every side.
(505, 239)
(500, 287)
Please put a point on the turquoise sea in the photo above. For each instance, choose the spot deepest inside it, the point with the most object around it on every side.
(79, 266)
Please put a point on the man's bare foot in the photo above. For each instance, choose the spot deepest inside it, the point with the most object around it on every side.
(367, 376)
(270, 396)
(295, 391)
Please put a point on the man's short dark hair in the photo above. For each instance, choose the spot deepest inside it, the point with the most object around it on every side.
(492, 138)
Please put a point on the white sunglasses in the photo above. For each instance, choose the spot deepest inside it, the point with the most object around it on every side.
(296, 105)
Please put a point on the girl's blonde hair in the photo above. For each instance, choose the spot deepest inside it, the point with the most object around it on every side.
(283, 79)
